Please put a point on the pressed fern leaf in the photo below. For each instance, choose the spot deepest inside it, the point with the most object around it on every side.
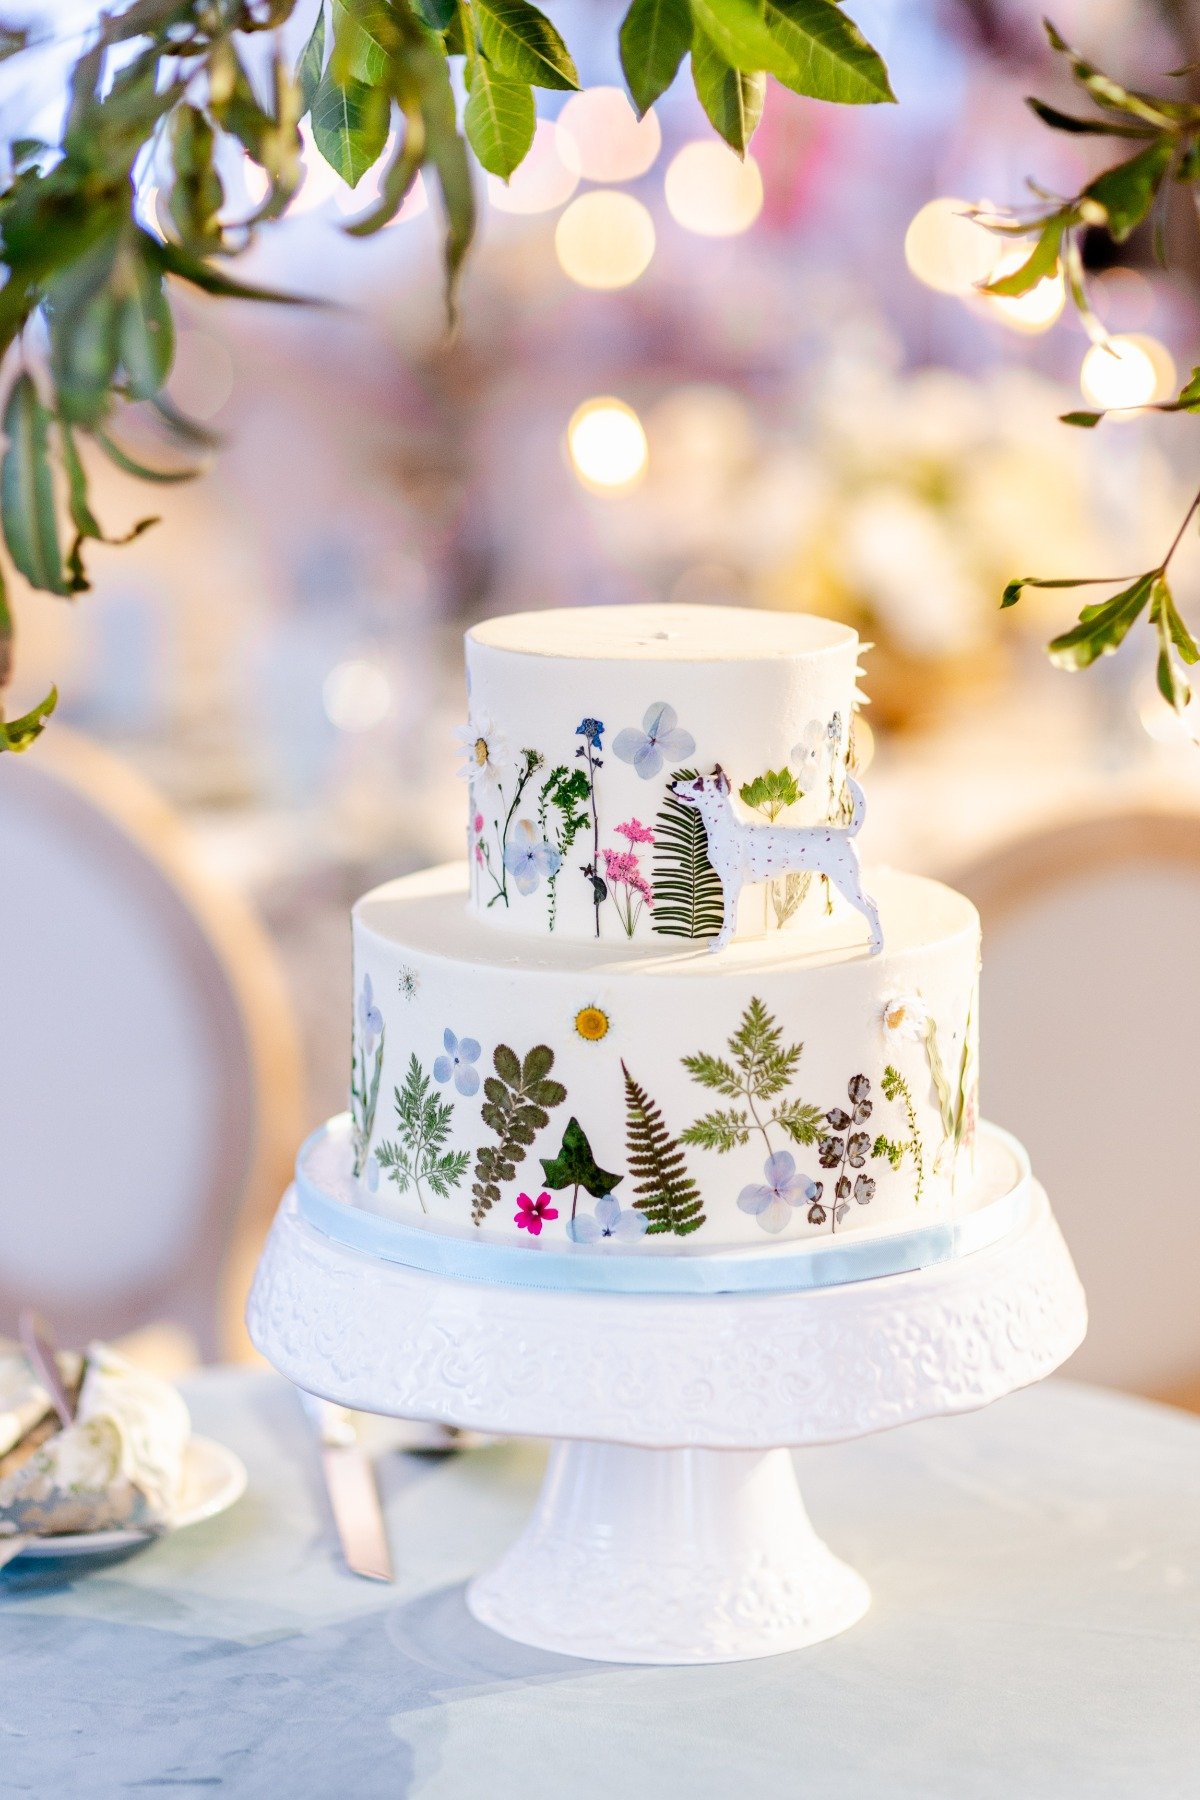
(422, 1125)
(759, 1067)
(667, 1194)
(518, 1100)
(720, 1131)
(689, 901)
(758, 1049)
(803, 1123)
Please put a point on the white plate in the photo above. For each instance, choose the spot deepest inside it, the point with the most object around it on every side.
(213, 1478)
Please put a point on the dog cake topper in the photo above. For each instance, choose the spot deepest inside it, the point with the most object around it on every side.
(740, 852)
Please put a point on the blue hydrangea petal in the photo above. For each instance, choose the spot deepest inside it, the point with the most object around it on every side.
(779, 1169)
(631, 1225)
(450, 1041)
(442, 1068)
(773, 1218)
(628, 742)
(755, 1199)
(659, 720)
(608, 1211)
(466, 1079)
(468, 1049)
(677, 746)
(648, 761)
(583, 1230)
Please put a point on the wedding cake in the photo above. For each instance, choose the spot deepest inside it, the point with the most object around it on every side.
(658, 1011)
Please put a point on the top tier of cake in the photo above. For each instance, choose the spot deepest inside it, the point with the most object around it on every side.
(579, 720)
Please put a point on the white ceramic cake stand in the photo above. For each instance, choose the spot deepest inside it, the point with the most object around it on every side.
(669, 1527)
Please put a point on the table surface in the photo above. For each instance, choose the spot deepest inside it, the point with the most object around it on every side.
(1035, 1631)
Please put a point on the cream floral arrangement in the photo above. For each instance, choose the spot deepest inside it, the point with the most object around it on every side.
(118, 1465)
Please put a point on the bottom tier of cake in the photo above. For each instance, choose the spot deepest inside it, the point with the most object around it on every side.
(794, 1088)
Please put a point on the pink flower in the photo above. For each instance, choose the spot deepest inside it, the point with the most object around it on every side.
(530, 1213)
(478, 824)
(620, 866)
(635, 831)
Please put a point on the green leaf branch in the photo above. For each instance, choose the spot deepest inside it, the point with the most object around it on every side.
(171, 84)
(1117, 201)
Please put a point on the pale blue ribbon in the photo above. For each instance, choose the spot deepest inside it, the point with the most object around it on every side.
(600, 1268)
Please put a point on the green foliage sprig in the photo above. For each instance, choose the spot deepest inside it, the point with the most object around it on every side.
(176, 82)
(1117, 201)
(689, 901)
(667, 1195)
(518, 1100)
(758, 1069)
(422, 1126)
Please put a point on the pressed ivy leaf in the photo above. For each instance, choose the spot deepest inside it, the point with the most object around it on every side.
(732, 99)
(499, 118)
(1126, 192)
(655, 37)
(521, 42)
(311, 64)
(1102, 628)
(738, 31)
(27, 504)
(349, 126)
(830, 57)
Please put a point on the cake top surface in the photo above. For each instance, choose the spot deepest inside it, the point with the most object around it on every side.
(412, 911)
(664, 633)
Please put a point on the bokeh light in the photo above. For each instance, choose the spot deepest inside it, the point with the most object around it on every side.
(604, 239)
(611, 142)
(1126, 372)
(546, 179)
(607, 446)
(357, 695)
(711, 191)
(947, 250)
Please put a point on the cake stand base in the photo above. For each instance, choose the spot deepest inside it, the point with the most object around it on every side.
(670, 1528)
(668, 1556)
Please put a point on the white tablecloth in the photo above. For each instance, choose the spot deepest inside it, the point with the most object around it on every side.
(1035, 1632)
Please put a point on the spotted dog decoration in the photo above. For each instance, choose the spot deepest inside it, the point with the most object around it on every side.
(740, 852)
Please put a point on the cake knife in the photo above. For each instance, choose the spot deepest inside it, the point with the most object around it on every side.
(353, 1493)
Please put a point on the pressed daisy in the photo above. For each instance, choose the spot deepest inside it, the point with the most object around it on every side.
(591, 1022)
(485, 757)
(905, 1016)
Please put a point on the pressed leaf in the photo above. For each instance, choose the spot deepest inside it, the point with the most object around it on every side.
(576, 1166)
(499, 119)
(27, 503)
(655, 37)
(732, 98)
(349, 126)
(311, 65)
(1127, 191)
(521, 42)
(830, 57)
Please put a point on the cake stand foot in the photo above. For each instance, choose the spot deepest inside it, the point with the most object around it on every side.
(668, 1556)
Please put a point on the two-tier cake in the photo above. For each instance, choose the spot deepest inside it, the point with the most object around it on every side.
(658, 1011)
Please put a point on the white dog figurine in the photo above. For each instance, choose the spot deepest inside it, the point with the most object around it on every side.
(740, 852)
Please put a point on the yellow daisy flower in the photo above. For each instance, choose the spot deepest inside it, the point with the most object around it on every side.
(591, 1023)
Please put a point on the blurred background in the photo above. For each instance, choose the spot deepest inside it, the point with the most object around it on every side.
(677, 377)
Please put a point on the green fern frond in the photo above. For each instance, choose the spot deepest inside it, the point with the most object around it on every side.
(668, 1196)
(689, 901)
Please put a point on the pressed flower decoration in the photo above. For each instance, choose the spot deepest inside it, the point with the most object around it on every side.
(905, 1017)
(409, 981)
(847, 1148)
(528, 858)
(531, 1215)
(608, 1220)
(591, 1024)
(366, 1069)
(660, 739)
(592, 733)
(773, 1201)
(627, 883)
(485, 761)
(808, 755)
(458, 1063)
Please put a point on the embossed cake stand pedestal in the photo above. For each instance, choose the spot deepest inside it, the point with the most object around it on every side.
(669, 1528)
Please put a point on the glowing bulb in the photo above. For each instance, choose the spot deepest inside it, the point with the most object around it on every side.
(604, 239)
(607, 446)
(357, 695)
(611, 142)
(947, 250)
(1126, 372)
(548, 176)
(711, 191)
